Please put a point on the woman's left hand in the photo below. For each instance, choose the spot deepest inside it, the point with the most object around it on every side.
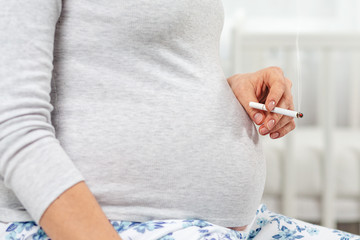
(271, 87)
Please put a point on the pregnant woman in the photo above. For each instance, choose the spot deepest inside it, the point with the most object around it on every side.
(117, 122)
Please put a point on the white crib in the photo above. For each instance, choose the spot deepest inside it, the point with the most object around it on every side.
(314, 172)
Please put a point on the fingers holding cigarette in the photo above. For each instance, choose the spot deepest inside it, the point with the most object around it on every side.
(282, 123)
(277, 110)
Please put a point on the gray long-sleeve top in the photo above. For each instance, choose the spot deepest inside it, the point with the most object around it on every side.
(131, 97)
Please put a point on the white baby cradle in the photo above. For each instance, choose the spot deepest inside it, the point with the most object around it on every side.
(314, 173)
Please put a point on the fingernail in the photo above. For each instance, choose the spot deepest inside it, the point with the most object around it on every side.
(258, 118)
(274, 135)
(271, 124)
(264, 131)
(271, 105)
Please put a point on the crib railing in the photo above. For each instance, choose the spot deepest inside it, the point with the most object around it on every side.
(326, 106)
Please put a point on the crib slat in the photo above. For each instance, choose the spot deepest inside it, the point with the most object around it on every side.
(328, 119)
(289, 190)
(354, 114)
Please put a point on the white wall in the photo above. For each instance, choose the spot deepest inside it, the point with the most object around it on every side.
(287, 15)
(315, 14)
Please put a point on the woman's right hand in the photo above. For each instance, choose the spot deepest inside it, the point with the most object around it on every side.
(76, 215)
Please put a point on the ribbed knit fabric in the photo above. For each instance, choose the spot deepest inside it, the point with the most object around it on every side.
(139, 108)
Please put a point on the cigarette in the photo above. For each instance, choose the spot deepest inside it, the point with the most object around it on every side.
(282, 111)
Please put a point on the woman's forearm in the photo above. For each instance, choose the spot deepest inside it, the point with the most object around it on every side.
(76, 215)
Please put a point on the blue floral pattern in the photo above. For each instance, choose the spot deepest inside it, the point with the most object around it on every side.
(277, 226)
(149, 226)
(266, 225)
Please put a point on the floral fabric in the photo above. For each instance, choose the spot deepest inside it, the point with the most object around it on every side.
(265, 226)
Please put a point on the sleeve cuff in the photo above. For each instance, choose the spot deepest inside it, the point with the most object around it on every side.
(45, 172)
